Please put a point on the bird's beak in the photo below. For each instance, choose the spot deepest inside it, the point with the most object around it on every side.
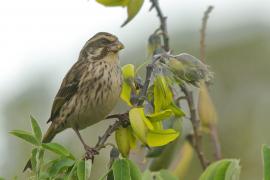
(117, 46)
(120, 45)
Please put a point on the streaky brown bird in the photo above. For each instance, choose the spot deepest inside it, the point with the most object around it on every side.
(90, 89)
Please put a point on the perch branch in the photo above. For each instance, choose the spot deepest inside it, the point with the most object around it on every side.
(102, 139)
(122, 121)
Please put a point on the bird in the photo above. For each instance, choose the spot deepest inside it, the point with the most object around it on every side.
(89, 90)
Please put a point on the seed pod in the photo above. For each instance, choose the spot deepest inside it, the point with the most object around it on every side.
(188, 68)
(206, 108)
(122, 141)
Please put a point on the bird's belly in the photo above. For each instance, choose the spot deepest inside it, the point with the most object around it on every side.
(88, 118)
(91, 113)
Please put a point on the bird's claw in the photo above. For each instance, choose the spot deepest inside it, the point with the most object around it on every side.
(90, 153)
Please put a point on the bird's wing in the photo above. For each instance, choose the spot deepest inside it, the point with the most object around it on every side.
(68, 88)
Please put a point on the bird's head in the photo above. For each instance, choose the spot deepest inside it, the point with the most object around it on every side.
(101, 45)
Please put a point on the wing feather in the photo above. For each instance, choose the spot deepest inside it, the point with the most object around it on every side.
(68, 88)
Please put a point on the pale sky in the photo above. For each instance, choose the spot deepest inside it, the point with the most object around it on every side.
(37, 35)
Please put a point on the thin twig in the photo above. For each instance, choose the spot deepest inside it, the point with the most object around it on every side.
(102, 140)
(163, 24)
(149, 72)
(122, 121)
(166, 46)
(195, 124)
(213, 130)
(142, 95)
(203, 30)
(215, 141)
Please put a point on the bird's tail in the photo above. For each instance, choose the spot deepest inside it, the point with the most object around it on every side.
(48, 137)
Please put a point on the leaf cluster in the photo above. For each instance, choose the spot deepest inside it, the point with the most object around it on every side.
(125, 169)
(65, 166)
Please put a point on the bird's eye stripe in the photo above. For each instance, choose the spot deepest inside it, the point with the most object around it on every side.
(104, 40)
(101, 41)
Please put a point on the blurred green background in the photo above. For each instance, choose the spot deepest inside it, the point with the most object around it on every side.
(238, 51)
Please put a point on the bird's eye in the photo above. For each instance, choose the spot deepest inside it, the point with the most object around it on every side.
(104, 41)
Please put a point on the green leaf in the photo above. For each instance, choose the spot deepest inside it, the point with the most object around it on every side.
(128, 84)
(37, 160)
(162, 94)
(1, 178)
(135, 172)
(41, 153)
(266, 161)
(36, 129)
(161, 137)
(110, 176)
(233, 171)
(176, 110)
(126, 93)
(133, 8)
(59, 165)
(27, 136)
(58, 149)
(34, 159)
(226, 169)
(209, 173)
(72, 171)
(121, 170)
(44, 175)
(154, 44)
(84, 169)
(166, 175)
(113, 2)
(160, 116)
(220, 171)
(147, 175)
(105, 175)
(154, 152)
(158, 98)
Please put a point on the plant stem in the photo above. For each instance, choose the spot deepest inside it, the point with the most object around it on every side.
(202, 31)
(195, 124)
(215, 141)
(163, 24)
(189, 95)
(102, 140)
(122, 121)
(213, 129)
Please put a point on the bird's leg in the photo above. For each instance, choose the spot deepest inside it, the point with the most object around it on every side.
(90, 152)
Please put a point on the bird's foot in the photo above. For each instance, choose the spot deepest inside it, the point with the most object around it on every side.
(90, 152)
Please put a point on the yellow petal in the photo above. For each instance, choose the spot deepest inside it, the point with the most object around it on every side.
(137, 122)
(161, 137)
